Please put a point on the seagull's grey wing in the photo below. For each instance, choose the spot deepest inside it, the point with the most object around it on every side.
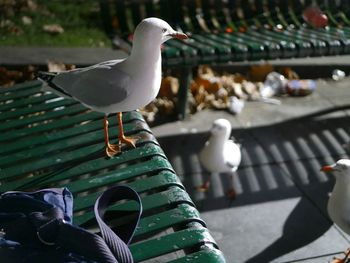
(99, 86)
(232, 155)
(106, 64)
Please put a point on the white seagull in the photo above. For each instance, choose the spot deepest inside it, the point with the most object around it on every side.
(220, 154)
(121, 85)
(339, 202)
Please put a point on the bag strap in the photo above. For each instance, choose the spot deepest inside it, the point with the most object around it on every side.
(111, 247)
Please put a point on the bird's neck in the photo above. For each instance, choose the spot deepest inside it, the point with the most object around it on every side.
(143, 52)
(341, 188)
(218, 140)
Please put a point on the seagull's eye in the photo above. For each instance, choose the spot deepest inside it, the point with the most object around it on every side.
(164, 30)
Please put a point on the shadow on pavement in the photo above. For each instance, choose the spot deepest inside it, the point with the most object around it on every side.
(279, 162)
(301, 228)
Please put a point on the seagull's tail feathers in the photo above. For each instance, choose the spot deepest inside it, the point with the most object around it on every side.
(46, 76)
(49, 85)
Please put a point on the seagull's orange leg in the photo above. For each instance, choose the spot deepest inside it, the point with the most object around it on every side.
(122, 138)
(344, 259)
(205, 186)
(231, 193)
(111, 149)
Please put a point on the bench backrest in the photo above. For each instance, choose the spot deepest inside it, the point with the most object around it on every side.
(120, 17)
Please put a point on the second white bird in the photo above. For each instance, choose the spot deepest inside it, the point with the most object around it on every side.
(220, 154)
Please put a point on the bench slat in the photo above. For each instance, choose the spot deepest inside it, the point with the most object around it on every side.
(165, 199)
(164, 179)
(179, 240)
(205, 255)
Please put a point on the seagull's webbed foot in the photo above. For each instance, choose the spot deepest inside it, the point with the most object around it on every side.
(112, 149)
(339, 260)
(231, 194)
(131, 141)
(342, 260)
(204, 187)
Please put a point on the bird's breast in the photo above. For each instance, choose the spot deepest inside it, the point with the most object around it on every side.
(339, 209)
(144, 83)
(212, 159)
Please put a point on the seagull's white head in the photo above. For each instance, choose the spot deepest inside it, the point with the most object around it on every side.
(341, 169)
(221, 128)
(156, 30)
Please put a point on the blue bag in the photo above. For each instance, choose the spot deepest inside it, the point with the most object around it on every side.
(37, 227)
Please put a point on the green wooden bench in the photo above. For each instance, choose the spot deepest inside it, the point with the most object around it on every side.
(225, 31)
(46, 141)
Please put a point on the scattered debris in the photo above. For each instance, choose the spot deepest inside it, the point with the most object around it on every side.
(270, 101)
(315, 17)
(274, 84)
(301, 87)
(289, 73)
(236, 105)
(338, 74)
(227, 91)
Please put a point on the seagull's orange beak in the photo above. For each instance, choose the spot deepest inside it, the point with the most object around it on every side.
(179, 35)
(327, 169)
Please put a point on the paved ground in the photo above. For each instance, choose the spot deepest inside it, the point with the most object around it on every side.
(280, 212)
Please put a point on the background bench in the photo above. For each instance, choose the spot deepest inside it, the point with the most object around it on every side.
(46, 141)
(226, 31)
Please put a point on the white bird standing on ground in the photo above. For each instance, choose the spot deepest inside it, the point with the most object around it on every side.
(122, 85)
(339, 202)
(220, 155)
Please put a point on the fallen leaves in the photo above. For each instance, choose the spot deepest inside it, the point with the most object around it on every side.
(11, 77)
(53, 66)
(169, 87)
(10, 10)
(53, 29)
(26, 20)
(210, 90)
